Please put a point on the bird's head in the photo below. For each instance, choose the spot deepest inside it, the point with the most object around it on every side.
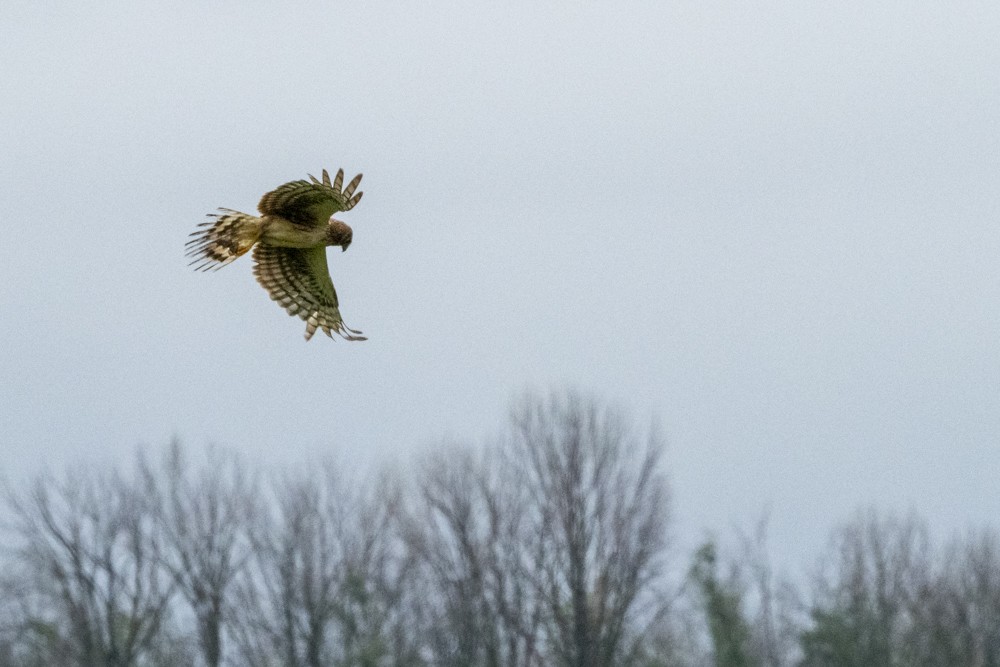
(340, 234)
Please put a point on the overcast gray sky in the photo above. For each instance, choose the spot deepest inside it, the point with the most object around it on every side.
(773, 227)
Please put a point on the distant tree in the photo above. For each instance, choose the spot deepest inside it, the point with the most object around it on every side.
(977, 583)
(679, 637)
(27, 637)
(375, 618)
(544, 548)
(202, 516)
(466, 530)
(94, 592)
(323, 587)
(772, 605)
(722, 601)
(955, 619)
(862, 605)
(595, 518)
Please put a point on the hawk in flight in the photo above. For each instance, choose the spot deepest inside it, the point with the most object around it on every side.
(289, 242)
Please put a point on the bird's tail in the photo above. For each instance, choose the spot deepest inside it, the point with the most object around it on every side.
(222, 239)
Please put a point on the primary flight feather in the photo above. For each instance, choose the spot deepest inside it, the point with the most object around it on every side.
(289, 242)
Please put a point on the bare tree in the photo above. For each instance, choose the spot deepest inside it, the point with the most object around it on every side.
(678, 637)
(977, 583)
(863, 603)
(202, 517)
(466, 531)
(375, 616)
(324, 586)
(956, 616)
(28, 638)
(773, 603)
(596, 518)
(90, 552)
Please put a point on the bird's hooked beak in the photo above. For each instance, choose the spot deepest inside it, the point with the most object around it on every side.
(343, 248)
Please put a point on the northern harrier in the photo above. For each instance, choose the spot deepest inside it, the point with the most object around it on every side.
(289, 246)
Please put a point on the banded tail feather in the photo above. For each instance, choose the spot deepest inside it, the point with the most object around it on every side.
(222, 239)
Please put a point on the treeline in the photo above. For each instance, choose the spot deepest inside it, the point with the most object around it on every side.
(548, 547)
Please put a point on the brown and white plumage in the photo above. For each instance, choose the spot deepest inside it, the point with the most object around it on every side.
(289, 241)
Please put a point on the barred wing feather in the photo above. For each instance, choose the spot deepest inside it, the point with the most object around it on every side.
(311, 203)
(299, 280)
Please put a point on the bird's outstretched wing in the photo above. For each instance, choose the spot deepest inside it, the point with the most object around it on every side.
(311, 203)
(299, 280)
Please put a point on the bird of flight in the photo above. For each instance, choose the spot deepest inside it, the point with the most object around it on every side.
(289, 242)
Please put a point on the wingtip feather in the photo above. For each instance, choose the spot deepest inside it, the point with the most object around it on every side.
(352, 186)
